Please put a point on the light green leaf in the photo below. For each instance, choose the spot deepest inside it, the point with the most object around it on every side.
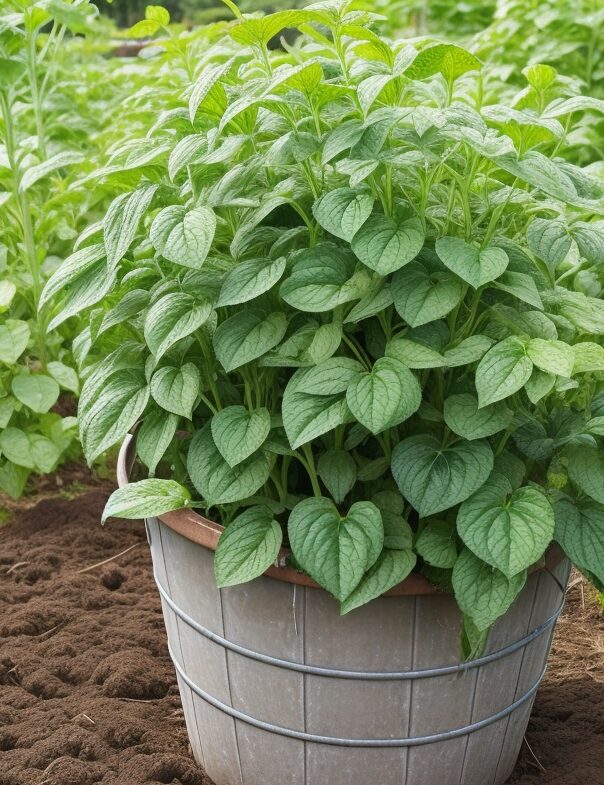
(468, 351)
(247, 335)
(122, 220)
(481, 591)
(146, 499)
(586, 469)
(247, 547)
(391, 568)
(384, 397)
(436, 544)
(49, 166)
(384, 244)
(183, 237)
(249, 280)
(29, 450)
(449, 60)
(414, 354)
(422, 296)
(338, 471)
(476, 267)
(173, 317)
(322, 278)
(155, 436)
(215, 480)
(464, 418)
(434, 478)
(580, 532)
(13, 478)
(64, 375)
(7, 292)
(555, 357)
(158, 14)
(520, 285)
(176, 389)
(335, 550)
(549, 240)
(37, 391)
(14, 337)
(508, 529)
(503, 370)
(342, 212)
(238, 433)
(7, 407)
(325, 342)
(588, 356)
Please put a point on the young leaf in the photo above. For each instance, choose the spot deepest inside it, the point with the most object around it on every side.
(422, 296)
(37, 391)
(146, 499)
(503, 370)
(342, 212)
(183, 237)
(247, 547)
(122, 220)
(391, 568)
(247, 335)
(449, 60)
(173, 317)
(434, 478)
(155, 436)
(464, 418)
(338, 471)
(335, 550)
(215, 480)
(14, 337)
(555, 357)
(436, 544)
(384, 244)
(481, 591)
(249, 280)
(238, 433)
(509, 530)
(384, 397)
(476, 267)
(176, 389)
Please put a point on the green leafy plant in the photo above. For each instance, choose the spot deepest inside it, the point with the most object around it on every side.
(355, 314)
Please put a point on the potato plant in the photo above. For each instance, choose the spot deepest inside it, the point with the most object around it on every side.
(356, 310)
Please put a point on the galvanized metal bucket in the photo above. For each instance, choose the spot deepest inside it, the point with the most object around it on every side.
(278, 688)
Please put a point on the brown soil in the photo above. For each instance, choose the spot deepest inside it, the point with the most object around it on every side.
(87, 693)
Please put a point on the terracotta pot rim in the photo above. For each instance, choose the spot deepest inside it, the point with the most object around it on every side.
(204, 532)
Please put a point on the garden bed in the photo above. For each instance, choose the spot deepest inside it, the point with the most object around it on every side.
(87, 692)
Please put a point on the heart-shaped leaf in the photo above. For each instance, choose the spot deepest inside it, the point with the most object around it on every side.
(238, 433)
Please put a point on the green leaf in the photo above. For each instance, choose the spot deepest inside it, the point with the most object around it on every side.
(249, 280)
(503, 370)
(555, 357)
(258, 31)
(113, 412)
(29, 450)
(386, 396)
(580, 532)
(449, 60)
(384, 244)
(35, 173)
(436, 544)
(8, 290)
(322, 278)
(338, 471)
(422, 296)
(64, 375)
(158, 14)
(183, 237)
(586, 469)
(176, 389)
(314, 401)
(414, 354)
(238, 433)
(392, 567)
(481, 591)
(508, 529)
(589, 356)
(216, 481)
(155, 436)
(468, 351)
(37, 391)
(342, 212)
(476, 267)
(173, 317)
(247, 335)
(14, 337)
(521, 286)
(146, 499)
(122, 221)
(247, 547)
(13, 478)
(549, 240)
(434, 478)
(335, 550)
(7, 408)
(464, 418)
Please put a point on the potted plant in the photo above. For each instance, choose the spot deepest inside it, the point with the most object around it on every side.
(354, 305)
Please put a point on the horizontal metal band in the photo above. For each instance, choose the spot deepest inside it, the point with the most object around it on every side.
(414, 741)
(335, 673)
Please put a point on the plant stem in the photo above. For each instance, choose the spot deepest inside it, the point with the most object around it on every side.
(310, 467)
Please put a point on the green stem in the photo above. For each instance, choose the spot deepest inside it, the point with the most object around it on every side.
(310, 468)
(35, 93)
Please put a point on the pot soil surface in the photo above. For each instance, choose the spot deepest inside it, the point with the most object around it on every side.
(88, 695)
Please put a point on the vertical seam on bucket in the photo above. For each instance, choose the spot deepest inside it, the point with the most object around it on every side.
(228, 675)
(304, 677)
(509, 717)
(410, 710)
(182, 658)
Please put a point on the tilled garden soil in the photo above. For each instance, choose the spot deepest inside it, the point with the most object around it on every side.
(87, 692)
